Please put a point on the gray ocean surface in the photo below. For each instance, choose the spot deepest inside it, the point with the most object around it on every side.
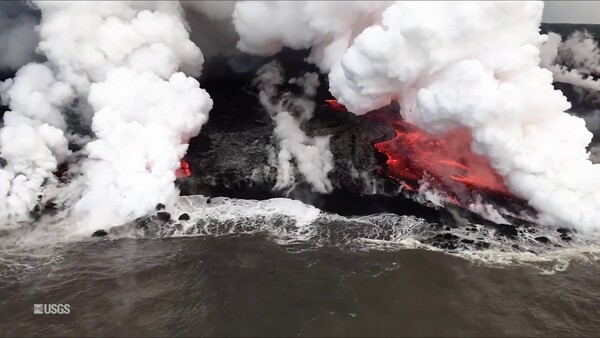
(248, 285)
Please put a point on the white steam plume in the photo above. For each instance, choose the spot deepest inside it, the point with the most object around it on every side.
(476, 65)
(86, 40)
(265, 27)
(472, 64)
(143, 123)
(145, 110)
(125, 59)
(312, 155)
(32, 141)
(573, 61)
(580, 51)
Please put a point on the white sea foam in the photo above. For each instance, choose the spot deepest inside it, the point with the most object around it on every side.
(291, 222)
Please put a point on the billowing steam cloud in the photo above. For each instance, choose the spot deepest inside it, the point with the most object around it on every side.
(448, 64)
(32, 140)
(473, 64)
(312, 155)
(145, 111)
(123, 58)
(327, 27)
(143, 123)
(573, 61)
(452, 73)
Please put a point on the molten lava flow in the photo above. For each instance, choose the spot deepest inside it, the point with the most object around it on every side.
(446, 161)
(333, 104)
(184, 169)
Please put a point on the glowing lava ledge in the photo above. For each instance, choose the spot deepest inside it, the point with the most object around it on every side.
(446, 161)
(184, 169)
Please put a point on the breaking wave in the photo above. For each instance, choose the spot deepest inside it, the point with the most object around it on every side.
(305, 227)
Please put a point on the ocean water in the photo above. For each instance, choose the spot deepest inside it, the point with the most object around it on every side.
(279, 267)
(248, 285)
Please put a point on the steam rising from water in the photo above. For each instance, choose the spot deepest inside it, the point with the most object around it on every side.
(474, 65)
(312, 155)
(124, 67)
(574, 60)
(123, 58)
(327, 27)
(32, 140)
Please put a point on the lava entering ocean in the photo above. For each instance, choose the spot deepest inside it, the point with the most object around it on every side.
(445, 161)
(183, 170)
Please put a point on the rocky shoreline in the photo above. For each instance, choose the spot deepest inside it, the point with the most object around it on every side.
(231, 158)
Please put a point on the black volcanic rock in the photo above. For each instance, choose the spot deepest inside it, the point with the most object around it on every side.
(234, 152)
(184, 217)
(565, 237)
(160, 206)
(36, 213)
(351, 143)
(507, 230)
(99, 233)
(163, 216)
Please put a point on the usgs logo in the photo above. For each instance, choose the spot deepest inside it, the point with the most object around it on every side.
(51, 309)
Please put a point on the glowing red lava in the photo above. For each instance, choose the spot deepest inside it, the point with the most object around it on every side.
(448, 160)
(445, 161)
(335, 105)
(184, 169)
